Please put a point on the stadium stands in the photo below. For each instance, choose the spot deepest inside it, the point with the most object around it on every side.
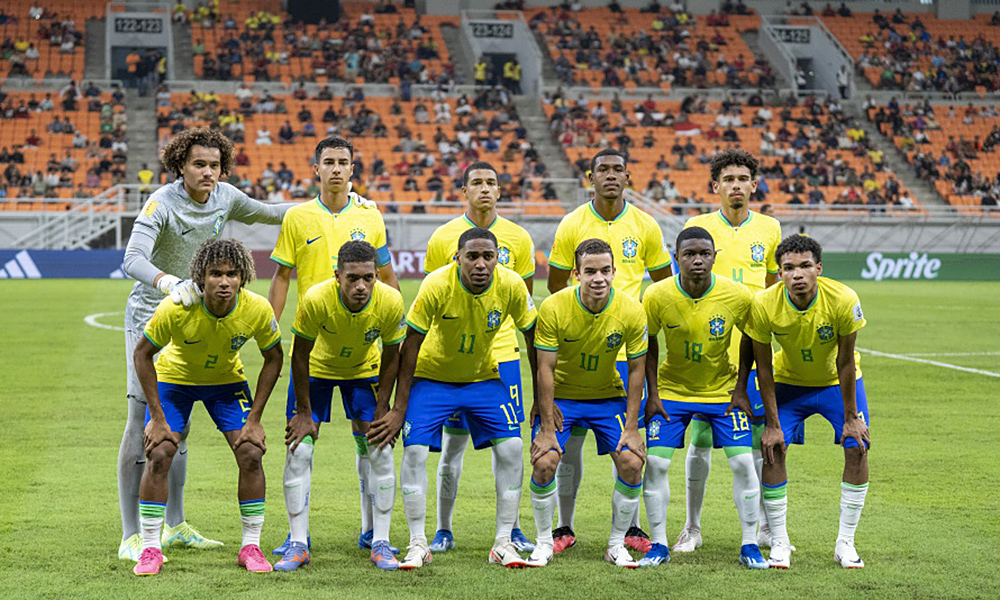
(44, 39)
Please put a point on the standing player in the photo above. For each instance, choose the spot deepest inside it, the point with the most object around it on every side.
(448, 365)
(698, 313)
(201, 361)
(637, 242)
(744, 242)
(580, 332)
(176, 219)
(516, 252)
(310, 238)
(337, 326)
(815, 321)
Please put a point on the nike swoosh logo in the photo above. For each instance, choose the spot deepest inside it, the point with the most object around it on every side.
(449, 317)
(385, 487)
(672, 326)
(194, 342)
(313, 240)
(513, 427)
(758, 406)
(571, 341)
(327, 330)
(187, 232)
(740, 437)
(409, 493)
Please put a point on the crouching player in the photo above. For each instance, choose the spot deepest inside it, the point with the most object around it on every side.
(815, 321)
(581, 330)
(698, 313)
(200, 360)
(337, 327)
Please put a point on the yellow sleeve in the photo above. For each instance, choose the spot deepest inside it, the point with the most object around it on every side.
(157, 329)
(394, 326)
(636, 337)
(546, 331)
(437, 255)
(562, 256)
(758, 325)
(522, 307)
(772, 261)
(421, 314)
(851, 317)
(525, 259)
(655, 254)
(284, 248)
(651, 307)
(305, 324)
(743, 308)
(268, 333)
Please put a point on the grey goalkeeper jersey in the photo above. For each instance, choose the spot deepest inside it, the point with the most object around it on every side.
(169, 230)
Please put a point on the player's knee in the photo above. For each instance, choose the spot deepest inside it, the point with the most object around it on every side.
(544, 469)
(161, 456)
(629, 467)
(249, 457)
(853, 456)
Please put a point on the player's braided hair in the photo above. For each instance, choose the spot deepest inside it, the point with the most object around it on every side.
(799, 244)
(357, 251)
(733, 157)
(593, 246)
(214, 252)
(175, 154)
(693, 233)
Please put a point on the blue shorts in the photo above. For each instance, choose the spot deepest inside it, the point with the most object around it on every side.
(484, 404)
(606, 418)
(358, 396)
(796, 403)
(622, 367)
(756, 402)
(228, 404)
(510, 376)
(727, 431)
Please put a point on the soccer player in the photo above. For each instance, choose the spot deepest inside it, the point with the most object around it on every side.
(815, 321)
(516, 252)
(580, 331)
(200, 360)
(337, 327)
(310, 238)
(176, 219)
(744, 243)
(448, 365)
(637, 242)
(697, 311)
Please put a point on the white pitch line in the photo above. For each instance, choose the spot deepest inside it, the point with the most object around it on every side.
(92, 321)
(953, 354)
(930, 362)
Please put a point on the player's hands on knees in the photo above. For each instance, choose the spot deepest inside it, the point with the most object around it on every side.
(156, 433)
(252, 433)
(544, 442)
(299, 427)
(631, 438)
(856, 428)
(385, 430)
(739, 400)
(772, 438)
(654, 407)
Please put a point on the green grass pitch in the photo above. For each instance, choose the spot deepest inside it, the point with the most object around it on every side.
(929, 529)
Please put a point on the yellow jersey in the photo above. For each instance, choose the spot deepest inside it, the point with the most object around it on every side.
(199, 348)
(515, 251)
(460, 326)
(346, 342)
(635, 238)
(697, 366)
(311, 237)
(744, 252)
(588, 343)
(808, 338)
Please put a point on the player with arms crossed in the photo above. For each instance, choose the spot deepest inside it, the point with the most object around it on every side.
(337, 327)
(310, 238)
(516, 252)
(200, 360)
(745, 241)
(637, 242)
(580, 331)
(815, 321)
(448, 365)
(698, 313)
(176, 219)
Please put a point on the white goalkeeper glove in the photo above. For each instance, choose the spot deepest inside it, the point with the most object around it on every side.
(362, 201)
(184, 292)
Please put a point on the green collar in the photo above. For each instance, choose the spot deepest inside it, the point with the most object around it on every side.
(458, 274)
(726, 221)
(470, 223)
(680, 288)
(360, 310)
(330, 212)
(579, 300)
(788, 297)
(598, 215)
(209, 313)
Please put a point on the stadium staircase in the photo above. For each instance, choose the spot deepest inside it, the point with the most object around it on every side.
(88, 224)
(551, 154)
(142, 142)
(750, 36)
(464, 64)
(94, 56)
(549, 73)
(183, 55)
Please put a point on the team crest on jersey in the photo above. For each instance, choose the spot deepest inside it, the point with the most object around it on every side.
(217, 228)
(825, 332)
(757, 252)
(717, 326)
(372, 334)
(406, 429)
(614, 340)
(238, 341)
(493, 319)
(357, 235)
(653, 430)
(503, 255)
(630, 247)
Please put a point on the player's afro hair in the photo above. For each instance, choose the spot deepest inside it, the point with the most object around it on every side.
(333, 142)
(476, 166)
(733, 157)
(175, 154)
(693, 233)
(357, 251)
(476, 233)
(593, 246)
(214, 252)
(799, 244)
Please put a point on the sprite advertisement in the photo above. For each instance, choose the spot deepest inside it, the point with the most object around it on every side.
(911, 266)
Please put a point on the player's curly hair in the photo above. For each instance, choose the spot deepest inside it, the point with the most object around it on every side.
(357, 251)
(799, 244)
(175, 154)
(214, 252)
(593, 246)
(733, 157)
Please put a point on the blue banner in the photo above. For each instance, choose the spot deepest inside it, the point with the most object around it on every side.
(61, 264)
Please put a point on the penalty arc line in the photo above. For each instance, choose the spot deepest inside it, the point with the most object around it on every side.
(92, 321)
(930, 362)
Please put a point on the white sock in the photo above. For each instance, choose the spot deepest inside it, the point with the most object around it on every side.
(622, 509)
(297, 484)
(449, 472)
(509, 474)
(251, 530)
(698, 465)
(363, 465)
(517, 517)
(383, 486)
(777, 514)
(150, 528)
(852, 500)
(614, 478)
(656, 493)
(568, 477)
(543, 505)
(413, 484)
(758, 464)
(746, 495)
